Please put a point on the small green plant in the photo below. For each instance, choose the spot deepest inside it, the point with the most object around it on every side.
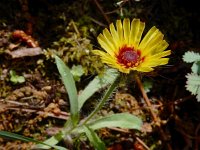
(77, 72)
(14, 78)
(76, 127)
(148, 84)
(87, 126)
(193, 78)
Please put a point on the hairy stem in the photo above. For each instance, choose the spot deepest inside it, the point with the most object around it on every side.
(105, 97)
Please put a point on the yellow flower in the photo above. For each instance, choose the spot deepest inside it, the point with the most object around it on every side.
(126, 50)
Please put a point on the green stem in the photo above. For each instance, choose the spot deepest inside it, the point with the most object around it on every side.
(105, 97)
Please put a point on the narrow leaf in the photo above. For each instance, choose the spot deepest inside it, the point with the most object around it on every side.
(58, 137)
(6, 134)
(15, 136)
(51, 141)
(96, 84)
(121, 120)
(70, 86)
(94, 139)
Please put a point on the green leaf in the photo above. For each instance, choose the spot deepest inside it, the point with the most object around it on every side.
(70, 86)
(14, 136)
(121, 120)
(96, 84)
(147, 85)
(94, 139)
(190, 57)
(77, 72)
(6, 134)
(193, 83)
(21, 79)
(198, 95)
(16, 78)
(52, 142)
(59, 136)
(196, 67)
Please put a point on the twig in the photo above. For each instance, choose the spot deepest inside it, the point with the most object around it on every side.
(101, 10)
(24, 52)
(97, 22)
(154, 116)
(120, 130)
(12, 105)
(143, 144)
(147, 101)
(62, 115)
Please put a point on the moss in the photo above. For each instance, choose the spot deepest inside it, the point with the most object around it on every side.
(75, 48)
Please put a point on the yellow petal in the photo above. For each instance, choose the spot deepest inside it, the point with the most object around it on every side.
(124, 70)
(155, 62)
(156, 48)
(152, 43)
(143, 69)
(110, 39)
(161, 54)
(105, 45)
(106, 58)
(161, 47)
(164, 61)
(120, 31)
(137, 28)
(148, 37)
(115, 35)
(101, 53)
(126, 27)
(112, 62)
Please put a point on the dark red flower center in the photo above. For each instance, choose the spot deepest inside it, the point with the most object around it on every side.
(129, 57)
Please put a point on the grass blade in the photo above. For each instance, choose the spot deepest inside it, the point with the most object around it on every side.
(15, 136)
